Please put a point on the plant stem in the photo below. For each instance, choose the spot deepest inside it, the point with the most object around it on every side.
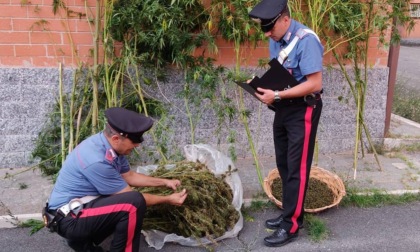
(63, 141)
(71, 128)
(95, 81)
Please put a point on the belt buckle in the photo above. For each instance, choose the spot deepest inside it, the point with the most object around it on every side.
(75, 206)
(64, 210)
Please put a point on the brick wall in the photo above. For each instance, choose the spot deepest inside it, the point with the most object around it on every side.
(32, 36)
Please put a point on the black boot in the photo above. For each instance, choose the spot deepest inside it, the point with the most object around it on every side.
(274, 223)
(279, 238)
(83, 246)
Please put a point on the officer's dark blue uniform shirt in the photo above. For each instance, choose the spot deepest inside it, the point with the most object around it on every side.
(305, 58)
(92, 168)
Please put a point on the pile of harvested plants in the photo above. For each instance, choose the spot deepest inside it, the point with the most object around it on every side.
(318, 194)
(207, 211)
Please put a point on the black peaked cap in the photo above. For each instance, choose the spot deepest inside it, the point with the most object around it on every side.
(268, 9)
(129, 123)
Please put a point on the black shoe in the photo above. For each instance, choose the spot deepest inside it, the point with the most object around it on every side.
(81, 246)
(279, 238)
(276, 223)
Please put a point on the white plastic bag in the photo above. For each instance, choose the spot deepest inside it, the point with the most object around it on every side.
(219, 164)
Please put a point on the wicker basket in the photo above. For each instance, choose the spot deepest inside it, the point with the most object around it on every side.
(332, 180)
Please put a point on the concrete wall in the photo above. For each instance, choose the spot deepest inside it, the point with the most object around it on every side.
(28, 94)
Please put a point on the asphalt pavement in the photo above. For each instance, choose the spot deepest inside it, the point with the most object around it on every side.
(389, 228)
(408, 65)
(385, 228)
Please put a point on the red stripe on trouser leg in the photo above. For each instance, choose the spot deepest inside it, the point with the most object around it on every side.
(132, 218)
(303, 169)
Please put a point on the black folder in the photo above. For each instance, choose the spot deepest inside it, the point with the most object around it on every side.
(250, 89)
(276, 78)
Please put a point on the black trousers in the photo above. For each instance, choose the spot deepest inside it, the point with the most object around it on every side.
(294, 130)
(119, 214)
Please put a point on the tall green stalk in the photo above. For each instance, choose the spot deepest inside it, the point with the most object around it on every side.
(95, 79)
(352, 23)
(137, 87)
(244, 118)
(62, 120)
(190, 116)
(238, 34)
(71, 112)
(112, 70)
(358, 49)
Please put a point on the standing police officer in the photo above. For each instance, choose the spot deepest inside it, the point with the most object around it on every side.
(297, 110)
(92, 197)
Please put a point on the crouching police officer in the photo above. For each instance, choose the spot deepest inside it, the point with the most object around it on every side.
(92, 197)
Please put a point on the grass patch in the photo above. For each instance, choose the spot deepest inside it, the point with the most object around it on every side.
(377, 199)
(256, 205)
(35, 225)
(317, 230)
(406, 102)
(22, 186)
(412, 147)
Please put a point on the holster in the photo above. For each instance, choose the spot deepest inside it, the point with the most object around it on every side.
(50, 220)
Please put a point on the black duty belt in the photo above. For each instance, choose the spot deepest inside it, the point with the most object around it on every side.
(308, 99)
(53, 212)
(51, 218)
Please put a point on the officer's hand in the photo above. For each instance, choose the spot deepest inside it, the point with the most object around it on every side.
(172, 183)
(178, 198)
(265, 95)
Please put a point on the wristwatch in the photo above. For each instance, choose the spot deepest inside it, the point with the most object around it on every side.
(276, 96)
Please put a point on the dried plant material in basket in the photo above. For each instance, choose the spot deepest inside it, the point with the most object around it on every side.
(321, 182)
